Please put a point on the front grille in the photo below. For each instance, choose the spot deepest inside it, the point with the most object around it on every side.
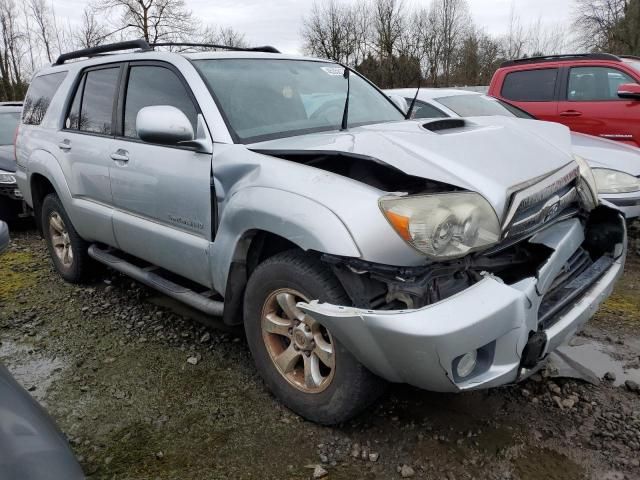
(534, 206)
(579, 273)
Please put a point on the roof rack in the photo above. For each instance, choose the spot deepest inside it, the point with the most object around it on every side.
(143, 46)
(111, 47)
(554, 58)
(264, 49)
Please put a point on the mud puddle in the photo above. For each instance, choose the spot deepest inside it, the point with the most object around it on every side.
(32, 370)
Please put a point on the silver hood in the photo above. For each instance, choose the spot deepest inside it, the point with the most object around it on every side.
(490, 155)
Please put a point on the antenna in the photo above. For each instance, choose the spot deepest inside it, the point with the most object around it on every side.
(345, 114)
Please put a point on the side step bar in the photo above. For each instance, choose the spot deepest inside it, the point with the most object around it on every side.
(155, 281)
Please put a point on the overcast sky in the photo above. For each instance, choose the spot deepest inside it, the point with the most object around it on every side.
(278, 22)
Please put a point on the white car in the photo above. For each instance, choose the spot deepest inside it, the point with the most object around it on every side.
(616, 166)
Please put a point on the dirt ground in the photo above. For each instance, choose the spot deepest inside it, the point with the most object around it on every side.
(109, 362)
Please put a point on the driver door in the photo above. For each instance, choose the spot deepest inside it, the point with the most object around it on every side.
(161, 193)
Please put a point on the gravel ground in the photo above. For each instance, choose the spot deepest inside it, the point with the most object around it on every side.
(144, 390)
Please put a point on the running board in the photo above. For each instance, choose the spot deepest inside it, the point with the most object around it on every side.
(155, 281)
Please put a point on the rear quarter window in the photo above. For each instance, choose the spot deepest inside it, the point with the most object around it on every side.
(531, 85)
(39, 95)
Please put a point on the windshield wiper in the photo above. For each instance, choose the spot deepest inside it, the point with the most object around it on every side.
(345, 113)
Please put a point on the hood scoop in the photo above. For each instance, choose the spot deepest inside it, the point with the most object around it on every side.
(444, 124)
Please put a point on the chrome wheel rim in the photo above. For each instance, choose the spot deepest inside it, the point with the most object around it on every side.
(301, 349)
(60, 239)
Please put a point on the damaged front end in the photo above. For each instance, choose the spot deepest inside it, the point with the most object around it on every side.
(490, 317)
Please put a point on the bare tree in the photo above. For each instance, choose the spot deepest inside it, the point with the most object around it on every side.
(596, 22)
(41, 17)
(336, 31)
(153, 20)
(91, 32)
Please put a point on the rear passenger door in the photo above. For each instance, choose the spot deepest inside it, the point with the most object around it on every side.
(535, 91)
(84, 145)
(590, 103)
(161, 193)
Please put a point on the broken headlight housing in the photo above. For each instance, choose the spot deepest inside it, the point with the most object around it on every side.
(445, 225)
(587, 187)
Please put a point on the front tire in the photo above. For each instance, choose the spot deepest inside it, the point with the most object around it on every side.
(298, 358)
(67, 250)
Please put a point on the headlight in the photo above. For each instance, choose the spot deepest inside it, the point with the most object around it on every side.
(445, 225)
(612, 181)
(587, 187)
(6, 177)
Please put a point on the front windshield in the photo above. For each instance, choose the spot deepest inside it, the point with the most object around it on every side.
(475, 106)
(266, 99)
(8, 124)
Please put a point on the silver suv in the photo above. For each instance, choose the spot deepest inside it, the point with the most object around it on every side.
(291, 195)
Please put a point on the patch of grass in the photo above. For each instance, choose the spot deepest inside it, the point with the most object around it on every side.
(18, 272)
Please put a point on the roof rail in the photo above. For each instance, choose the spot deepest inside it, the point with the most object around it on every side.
(554, 58)
(265, 49)
(143, 46)
(111, 47)
(630, 57)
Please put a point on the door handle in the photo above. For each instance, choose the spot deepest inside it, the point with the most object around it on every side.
(64, 145)
(120, 156)
(571, 113)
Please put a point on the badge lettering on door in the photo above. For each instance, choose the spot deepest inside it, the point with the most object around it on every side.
(186, 222)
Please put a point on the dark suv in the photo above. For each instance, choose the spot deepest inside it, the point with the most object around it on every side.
(596, 94)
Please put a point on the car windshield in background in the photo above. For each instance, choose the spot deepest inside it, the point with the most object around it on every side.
(8, 124)
(635, 64)
(266, 99)
(475, 106)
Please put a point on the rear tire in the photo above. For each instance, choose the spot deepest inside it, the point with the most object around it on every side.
(300, 361)
(67, 250)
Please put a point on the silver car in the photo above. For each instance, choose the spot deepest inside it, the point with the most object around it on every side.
(291, 195)
(616, 166)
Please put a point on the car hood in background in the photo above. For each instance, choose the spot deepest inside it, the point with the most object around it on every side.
(490, 155)
(602, 153)
(7, 158)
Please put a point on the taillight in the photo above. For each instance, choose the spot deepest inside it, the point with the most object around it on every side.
(15, 137)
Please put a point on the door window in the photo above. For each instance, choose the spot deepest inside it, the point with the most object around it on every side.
(92, 107)
(154, 85)
(589, 84)
(531, 85)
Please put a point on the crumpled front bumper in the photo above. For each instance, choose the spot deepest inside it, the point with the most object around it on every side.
(420, 347)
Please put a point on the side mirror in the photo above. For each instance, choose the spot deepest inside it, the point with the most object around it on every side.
(163, 124)
(399, 102)
(629, 90)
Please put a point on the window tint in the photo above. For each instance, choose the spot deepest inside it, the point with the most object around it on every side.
(148, 86)
(97, 100)
(73, 119)
(8, 124)
(595, 83)
(424, 110)
(531, 86)
(39, 97)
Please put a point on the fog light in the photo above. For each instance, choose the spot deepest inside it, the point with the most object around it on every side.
(467, 364)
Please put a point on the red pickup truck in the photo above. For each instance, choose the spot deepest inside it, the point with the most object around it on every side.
(597, 94)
